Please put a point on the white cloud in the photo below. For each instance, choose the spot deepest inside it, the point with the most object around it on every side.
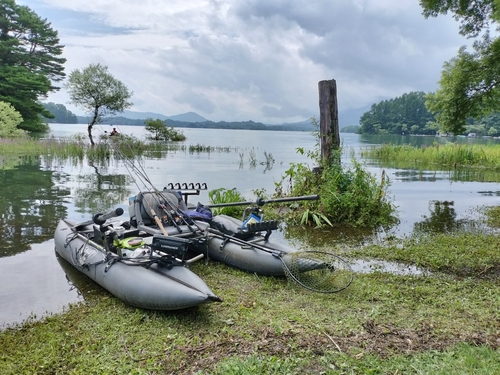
(256, 59)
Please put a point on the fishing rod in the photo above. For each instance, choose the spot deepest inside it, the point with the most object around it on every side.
(142, 175)
(260, 201)
(154, 192)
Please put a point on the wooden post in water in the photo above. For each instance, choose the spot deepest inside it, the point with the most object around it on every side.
(328, 119)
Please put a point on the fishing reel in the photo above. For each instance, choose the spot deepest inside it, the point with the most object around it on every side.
(171, 217)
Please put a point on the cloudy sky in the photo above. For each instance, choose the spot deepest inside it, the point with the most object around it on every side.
(260, 60)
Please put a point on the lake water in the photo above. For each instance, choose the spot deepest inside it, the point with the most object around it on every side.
(36, 192)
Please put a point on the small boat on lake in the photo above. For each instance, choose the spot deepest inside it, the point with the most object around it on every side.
(142, 269)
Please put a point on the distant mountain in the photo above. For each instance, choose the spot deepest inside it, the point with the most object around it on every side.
(352, 116)
(301, 125)
(346, 118)
(186, 117)
(193, 120)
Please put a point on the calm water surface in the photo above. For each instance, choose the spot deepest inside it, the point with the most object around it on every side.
(36, 192)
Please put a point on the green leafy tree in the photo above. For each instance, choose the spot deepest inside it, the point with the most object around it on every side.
(154, 127)
(9, 120)
(160, 131)
(470, 82)
(474, 15)
(401, 115)
(97, 92)
(30, 62)
(490, 122)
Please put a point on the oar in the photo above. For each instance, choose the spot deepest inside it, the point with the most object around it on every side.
(318, 271)
(260, 201)
(100, 218)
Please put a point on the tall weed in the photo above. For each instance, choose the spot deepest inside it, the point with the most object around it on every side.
(347, 195)
(222, 195)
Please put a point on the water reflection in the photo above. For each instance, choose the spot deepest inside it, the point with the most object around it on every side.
(31, 203)
(416, 175)
(99, 191)
(413, 140)
(33, 285)
(407, 173)
(490, 193)
(84, 286)
(330, 237)
(443, 219)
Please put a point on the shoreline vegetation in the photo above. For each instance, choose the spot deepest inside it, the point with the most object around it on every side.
(448, 156)
(442, 320)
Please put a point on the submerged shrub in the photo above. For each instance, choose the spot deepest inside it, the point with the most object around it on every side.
(355, 196)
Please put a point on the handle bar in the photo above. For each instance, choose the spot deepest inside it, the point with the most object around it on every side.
(101, 218)
(260, 202)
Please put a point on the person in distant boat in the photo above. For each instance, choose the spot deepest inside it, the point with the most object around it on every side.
(114, 132)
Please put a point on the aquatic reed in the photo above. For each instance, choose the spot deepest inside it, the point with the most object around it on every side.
(449, 155)
(78, 147)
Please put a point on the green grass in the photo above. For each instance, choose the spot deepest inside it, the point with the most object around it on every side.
(450, 155)
(383, 323)
(463, 253)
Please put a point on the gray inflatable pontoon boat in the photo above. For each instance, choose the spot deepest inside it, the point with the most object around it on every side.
(221, 237)
(143, 270)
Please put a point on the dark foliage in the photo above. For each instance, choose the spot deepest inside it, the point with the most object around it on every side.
(62, 115)
(406, 114)
(29, 62)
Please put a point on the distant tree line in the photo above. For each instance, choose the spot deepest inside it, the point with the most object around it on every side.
(408, 114)
(244, 125)
(61, 114)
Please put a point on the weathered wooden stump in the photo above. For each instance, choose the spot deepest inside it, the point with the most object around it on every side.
(328, 120)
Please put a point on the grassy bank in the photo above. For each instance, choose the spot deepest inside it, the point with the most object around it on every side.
(450, 155)
(382, 324)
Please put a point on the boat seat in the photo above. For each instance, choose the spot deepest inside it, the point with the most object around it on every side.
(170, 199)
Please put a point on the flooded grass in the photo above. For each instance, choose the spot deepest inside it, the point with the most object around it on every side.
(447, 156)
(77, 148)
(464, 254)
